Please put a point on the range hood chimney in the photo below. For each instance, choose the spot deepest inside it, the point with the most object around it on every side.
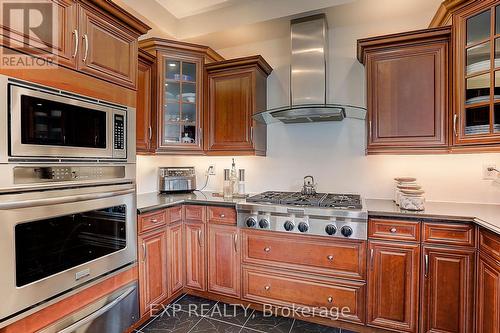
(308, 77)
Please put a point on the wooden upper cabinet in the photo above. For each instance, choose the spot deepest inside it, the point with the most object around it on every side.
(407, 91)
(447, 291)
(108, 49)
(476, 29)
(393, 284)
(144, 109)
(224, 260)
(237, 89)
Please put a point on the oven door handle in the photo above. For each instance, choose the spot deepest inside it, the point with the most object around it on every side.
(73, 327)
(61, 200)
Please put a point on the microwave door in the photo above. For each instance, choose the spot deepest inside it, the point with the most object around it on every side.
(49, 125)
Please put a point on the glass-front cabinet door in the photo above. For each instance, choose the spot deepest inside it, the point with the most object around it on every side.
(180, 103)
(477, 118)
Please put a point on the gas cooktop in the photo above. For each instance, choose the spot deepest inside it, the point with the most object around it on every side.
(337, 201)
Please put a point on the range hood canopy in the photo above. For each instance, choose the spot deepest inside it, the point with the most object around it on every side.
(308, 78)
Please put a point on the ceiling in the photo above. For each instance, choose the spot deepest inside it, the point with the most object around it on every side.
(184, 8)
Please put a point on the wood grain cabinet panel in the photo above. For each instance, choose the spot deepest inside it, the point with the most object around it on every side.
(393, 285)
(270, 286)
(174, 214)
(397, 230)
(344, 259)
(236, 91)
(407, 76)
(152, 269)
(489, 243)
(447, 290)
(175, 258)
(108, 49)
(448, 233)
(195, 213)
(152, 220)
(221, 215)
(223, 260)
(488, 295)
(195, 260)
(144, 109)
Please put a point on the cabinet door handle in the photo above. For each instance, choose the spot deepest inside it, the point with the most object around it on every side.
(330, 258)
(86, 53)
(426, 268)
(370, 131)
(144, 251)
(77, 41)
(251, 134)
(150, 131)
(199, 237)
(371, 259)
(201, 134)
(455, 118)
(235, 243)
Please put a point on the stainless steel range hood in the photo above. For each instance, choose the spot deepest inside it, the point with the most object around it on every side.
(308, 77)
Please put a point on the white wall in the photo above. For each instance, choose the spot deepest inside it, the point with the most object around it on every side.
(334, 152)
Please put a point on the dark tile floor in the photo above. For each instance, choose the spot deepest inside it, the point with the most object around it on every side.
(190, 314)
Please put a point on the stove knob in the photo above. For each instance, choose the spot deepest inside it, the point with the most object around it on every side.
(331, 229)
(289, 225)
(303, 227)
(264, 224)
(346, 231)
(251, 222)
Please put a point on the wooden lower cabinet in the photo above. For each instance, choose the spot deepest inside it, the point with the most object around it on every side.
(305, 293)
(175, 258)
(393, 284)
(195, 256)
(152, 269)
(223, 260)
(447, 291)
(488, 295)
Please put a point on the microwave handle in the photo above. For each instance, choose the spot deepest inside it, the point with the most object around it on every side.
(61, 200)
(97, 313)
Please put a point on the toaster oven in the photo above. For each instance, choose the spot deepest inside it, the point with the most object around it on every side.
(177, 179)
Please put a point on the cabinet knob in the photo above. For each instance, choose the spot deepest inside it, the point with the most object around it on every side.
(330, 299)
(393, 230)
(267, 288)
(267, 249)
(154, 221)
(222, 216)
(330, 257)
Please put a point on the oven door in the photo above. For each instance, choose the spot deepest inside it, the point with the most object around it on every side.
(46, 124)
(54, 241)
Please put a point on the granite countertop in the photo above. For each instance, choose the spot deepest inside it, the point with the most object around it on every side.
(485, 215)
(152, 201)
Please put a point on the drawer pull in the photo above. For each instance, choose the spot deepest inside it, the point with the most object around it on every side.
(154, 221)
(222, 216)
(330, 258)
(267, 249)
(267, 288)
(330, 299)
(393, 230)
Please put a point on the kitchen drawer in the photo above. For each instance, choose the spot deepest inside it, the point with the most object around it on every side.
(400, 230)
(269, 286)
(320, 255)
(174, 214)
(221, 215)
(461, 234)
(152, 220)
(489, 243)
(194, 213)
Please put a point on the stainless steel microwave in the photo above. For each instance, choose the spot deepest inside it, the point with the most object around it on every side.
(47, 123)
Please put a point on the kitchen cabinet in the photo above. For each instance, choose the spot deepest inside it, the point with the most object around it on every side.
(393, 285)
(447, 290)
(175, 258)
(177, 95)
(477, 68)
(153, 279)
(195, 256)
(144, 109)
(223, 260)
(237, 89)
(407, 91)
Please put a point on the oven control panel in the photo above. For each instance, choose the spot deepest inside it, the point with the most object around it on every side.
(33, 175)
(119, 132)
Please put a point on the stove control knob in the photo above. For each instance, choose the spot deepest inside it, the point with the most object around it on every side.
(251, 222)
(303, 227)
(346, 231)
(264, 224)
(289, 225)
(331, 229)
